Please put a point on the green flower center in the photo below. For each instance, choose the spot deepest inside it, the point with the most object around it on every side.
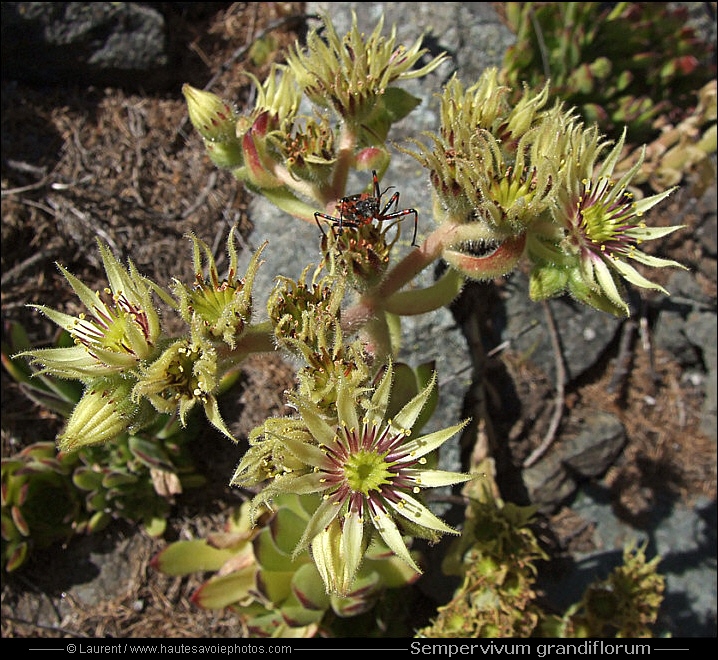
(606, 217)
(366, 471)
(180, 373)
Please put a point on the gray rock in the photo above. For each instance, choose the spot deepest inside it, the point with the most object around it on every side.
(584, 333)
(553, 480)
(702, 331)
(83, 43)
(91, 570)
(595, 448)
(687, 328)
(549, 483)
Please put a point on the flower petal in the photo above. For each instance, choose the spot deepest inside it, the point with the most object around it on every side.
(327, 511)
(65, 321)
(437, 478)
(346, 406)
(352, 545)
(337, 552)
(418, 514)
(604, 278)
(211, 409)
(609, 163)
(89, 298)
(642, 205)
(309, 454)
(392, 537)
(314, 482)
(427, 443)
(117, 277)
(322, 432)
(73, 362)
(382, 393)
(656, 262)
(634, 277)
(651, 233)
(407, 416)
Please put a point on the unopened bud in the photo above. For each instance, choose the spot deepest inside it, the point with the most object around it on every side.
(104, 412)
(372, 158)
(253, 146)
(213, 118)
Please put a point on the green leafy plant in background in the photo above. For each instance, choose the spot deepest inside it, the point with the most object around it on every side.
(337, 487)
(637, 65)
(40, 505)
(620, 64)
(277, 592)
(625, 604)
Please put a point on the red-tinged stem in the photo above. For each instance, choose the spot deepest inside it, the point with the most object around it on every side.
(404, 272)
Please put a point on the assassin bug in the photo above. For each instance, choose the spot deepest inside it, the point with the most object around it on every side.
(364, 208)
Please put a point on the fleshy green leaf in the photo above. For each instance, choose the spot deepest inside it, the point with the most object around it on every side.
(271, 557)
(220, 592)
(308, 588)
(185, 557)
(275, 586)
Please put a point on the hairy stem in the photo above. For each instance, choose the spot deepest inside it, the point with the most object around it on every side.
(259, 338)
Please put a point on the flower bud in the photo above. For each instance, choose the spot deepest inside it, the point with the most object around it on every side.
(213, 118)
(104, 412)
(222, 308)
(254, 150)
(547, 281)
(215, 121)
(372, 158)
(361, 252)
(352, 74)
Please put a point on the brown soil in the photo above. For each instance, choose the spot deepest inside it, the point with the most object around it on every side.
(79, 163)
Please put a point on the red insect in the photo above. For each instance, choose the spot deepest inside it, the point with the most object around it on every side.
(364, 208)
